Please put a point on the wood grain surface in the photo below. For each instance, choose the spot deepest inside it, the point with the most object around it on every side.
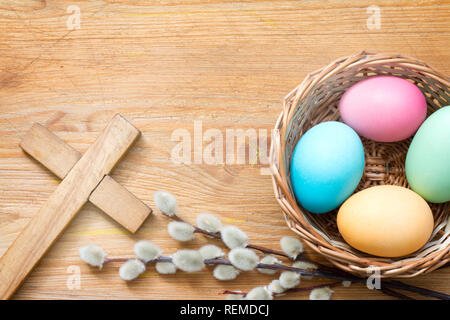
(168, 68)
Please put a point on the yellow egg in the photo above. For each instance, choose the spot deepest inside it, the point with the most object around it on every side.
(386, 221)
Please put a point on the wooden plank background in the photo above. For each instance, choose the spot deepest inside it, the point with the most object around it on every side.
(228, 64)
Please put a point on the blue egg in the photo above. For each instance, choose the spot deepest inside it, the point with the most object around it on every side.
(326, 166)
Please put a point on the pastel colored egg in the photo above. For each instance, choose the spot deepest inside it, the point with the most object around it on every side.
(385, 221)
(383, 108)
(428, 160)
(326, 166)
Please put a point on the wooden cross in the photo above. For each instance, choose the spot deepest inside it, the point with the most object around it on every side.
(84, 178)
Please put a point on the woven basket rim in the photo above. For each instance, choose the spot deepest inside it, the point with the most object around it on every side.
(358, 264)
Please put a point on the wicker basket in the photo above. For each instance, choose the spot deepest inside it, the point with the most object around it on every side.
(316, 100)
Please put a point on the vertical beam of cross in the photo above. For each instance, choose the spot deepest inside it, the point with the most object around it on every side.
(65, 202)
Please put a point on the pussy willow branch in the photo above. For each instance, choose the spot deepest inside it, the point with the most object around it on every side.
(262, 249)
(330, 285)
(389, 284)
(386, 291)
(316, 273)
(217, 261)
(324, 271)
(217, 235)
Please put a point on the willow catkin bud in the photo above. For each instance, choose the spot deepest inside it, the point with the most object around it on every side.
(211, 251)
(188, 260)
(225, 272)
(234, 237)
(235, 296)
(289, 279)
(131, 269)
(147, 250)
(164, 267)
(208, 222)
(181, 231)
(243, 259)
(165, 202)
(269, 260)
(321, 294)
(276, 287)
(306, 266)
(291, 246)
(259, 293)
(346, 283)
(92, 255)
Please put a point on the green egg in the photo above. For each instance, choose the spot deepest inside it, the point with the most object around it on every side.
(428, 159)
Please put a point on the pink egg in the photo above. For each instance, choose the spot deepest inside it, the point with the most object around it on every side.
(384, 108)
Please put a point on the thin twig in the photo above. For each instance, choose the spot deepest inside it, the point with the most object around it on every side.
(116, 260)
(306, 272)
(268, 251)
(332, 284)
(233, 292)
(396, 294)
(422, 291)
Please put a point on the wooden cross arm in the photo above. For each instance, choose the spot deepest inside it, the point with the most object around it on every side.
(111, 197)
